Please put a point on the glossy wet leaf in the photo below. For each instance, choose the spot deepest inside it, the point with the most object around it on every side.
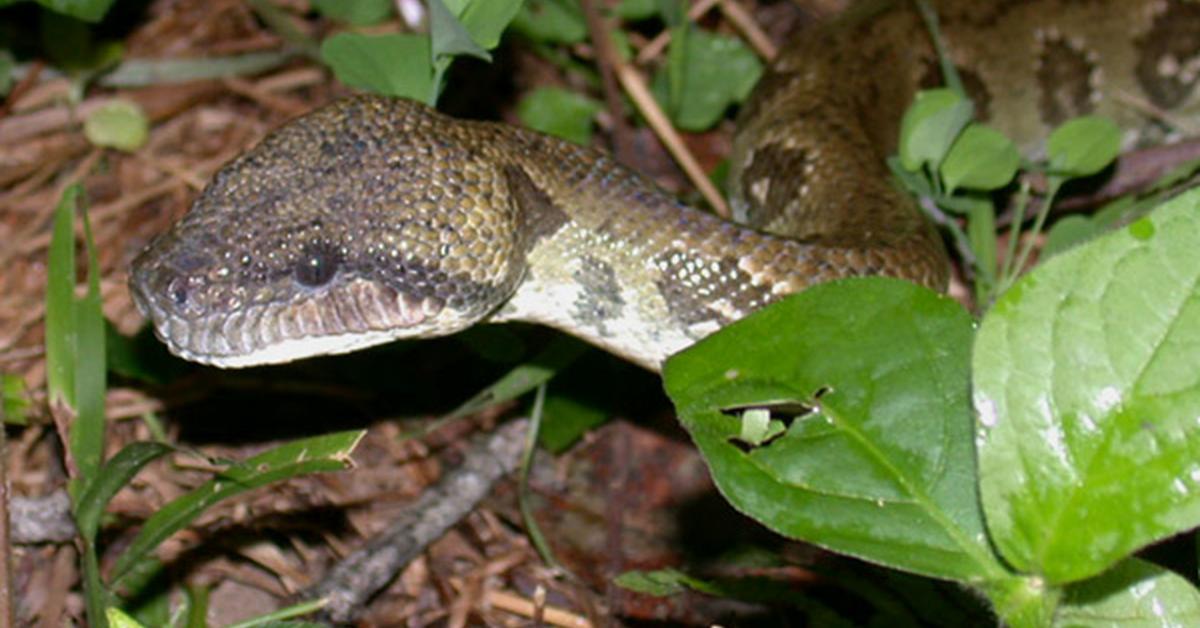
(884, 469)
(1133, 594)
(1087, 390)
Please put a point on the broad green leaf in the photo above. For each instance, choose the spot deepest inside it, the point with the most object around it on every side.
(356, 12)
(448, 35)
(551, 21)
(714, 71)
(115, 474)
(119, 124)
(930, 125)
(487, 19)
(330, 452)
(393, 65)
(559, 112)
(118, 619)
(883, 469)
(1087, 389)
(1133, 594)
(1083, 146)
(982, 158)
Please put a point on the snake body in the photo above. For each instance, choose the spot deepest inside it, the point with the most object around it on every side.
(373, 218)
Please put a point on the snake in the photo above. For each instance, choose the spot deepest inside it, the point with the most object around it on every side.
(374, 218)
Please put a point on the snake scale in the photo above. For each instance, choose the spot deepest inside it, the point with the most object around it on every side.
(373, 219)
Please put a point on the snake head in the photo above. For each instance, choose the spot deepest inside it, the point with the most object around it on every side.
(362, 222)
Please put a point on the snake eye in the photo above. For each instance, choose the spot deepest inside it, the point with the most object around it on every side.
(317, 266)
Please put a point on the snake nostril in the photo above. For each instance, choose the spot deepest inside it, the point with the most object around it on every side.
(317, 267)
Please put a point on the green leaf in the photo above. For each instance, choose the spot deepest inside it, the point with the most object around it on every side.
(393, 65)
(60, 302)
(486, 20)
(559, 112)
(16, 401)
(1134, 594)
(119, 124)
(7, 66)
(115, 473)
(636, 10)
(883, 469)
(551, 21)
(981, 232)
(1083, 146)
(449, 37)
(118, 619)
(930, 126)
(1087, 389)
(1068, 232)
(982, 158)
(330, 452)
(566, 421)
(713, 71)
(87, 10)
(356, 12)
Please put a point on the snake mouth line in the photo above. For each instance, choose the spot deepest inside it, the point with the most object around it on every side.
(338, 320)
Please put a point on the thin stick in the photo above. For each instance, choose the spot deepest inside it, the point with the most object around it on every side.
(644, 101)
(606, 59)
(358, 577)
(749, 29)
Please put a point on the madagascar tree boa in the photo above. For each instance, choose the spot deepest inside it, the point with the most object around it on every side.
(373, 219)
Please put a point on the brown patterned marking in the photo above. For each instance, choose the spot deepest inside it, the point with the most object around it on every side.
(695, 289)
(600, 299)
(779, 172)
(1064, 79)
(539, 215)
(1168, 55)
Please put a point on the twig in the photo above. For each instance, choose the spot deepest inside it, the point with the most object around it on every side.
(607, 59)
(8, 613)
(650, 51)
(749, 29)
(637, 90)
(522, 606)
(358, 577)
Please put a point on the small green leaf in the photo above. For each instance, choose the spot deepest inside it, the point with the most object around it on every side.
(1133, 594)
(356, 12)
(930, 126)
(119, 124)
(393, 65)
(660, 583)
(1087, 389)
(565, 421)
(559, 112)
(982, 158)
(1083, 146)
(7, 66)
(636, 10)
(330, 452)
(16, 402)
(883, 469)
(704, 76)
(561, 352)
(118, 619)
(551, 21)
